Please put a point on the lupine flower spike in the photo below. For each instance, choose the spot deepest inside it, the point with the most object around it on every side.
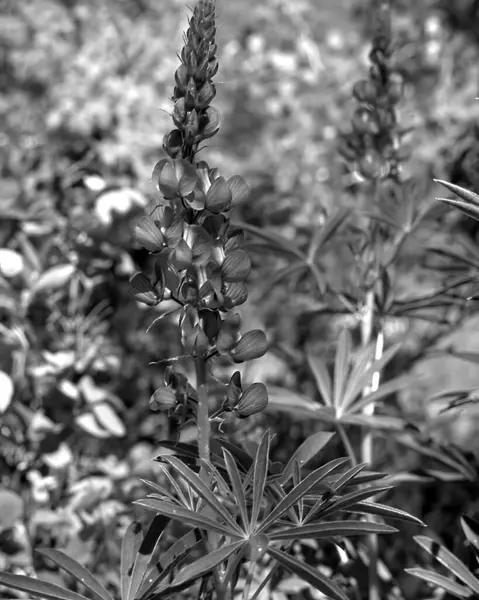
(200, 261)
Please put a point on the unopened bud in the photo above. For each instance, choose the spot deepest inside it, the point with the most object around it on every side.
(254, 400)
(252, 345)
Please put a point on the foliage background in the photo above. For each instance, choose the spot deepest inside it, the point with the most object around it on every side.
(84, 100)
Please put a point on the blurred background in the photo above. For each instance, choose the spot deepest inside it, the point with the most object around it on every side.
(85, 96)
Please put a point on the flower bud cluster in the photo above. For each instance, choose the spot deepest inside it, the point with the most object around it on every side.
(195, 120)
(373, 144)
(199, 257)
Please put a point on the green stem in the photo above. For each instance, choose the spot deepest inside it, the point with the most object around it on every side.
(203, 422)
(249, 580)
(367, 328)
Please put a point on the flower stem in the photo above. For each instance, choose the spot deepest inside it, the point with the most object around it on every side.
(367, 328)
(203, 422)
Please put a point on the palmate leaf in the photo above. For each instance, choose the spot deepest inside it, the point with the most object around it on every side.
(299, 491)
(341, 366)
(460, 261)
(382, 510)
(236, 486)
(199, 568)
(345, 502)
(168, 561)
(129, 548)
(186, 516)
(310, 574)
(321, 377)
(330, 529)
(308, 450)
(445, 455)
(144, 555)
(471, 530)
(448, 560)
(78, 571)
(456, 589)
(469, 203)
(260, 473)
(324, 233)
(203, 491)
(42, 589)
(272, 240)
(384, 390)
(355, 386)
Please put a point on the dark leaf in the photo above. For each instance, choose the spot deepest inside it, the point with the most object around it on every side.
(309, 574)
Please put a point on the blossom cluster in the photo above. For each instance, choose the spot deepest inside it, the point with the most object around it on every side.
(200, 260)
(373, 144)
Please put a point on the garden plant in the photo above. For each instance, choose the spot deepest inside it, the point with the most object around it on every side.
(203, 280)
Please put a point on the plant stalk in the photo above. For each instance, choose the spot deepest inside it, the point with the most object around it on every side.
(367, 329)
(203, 423)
